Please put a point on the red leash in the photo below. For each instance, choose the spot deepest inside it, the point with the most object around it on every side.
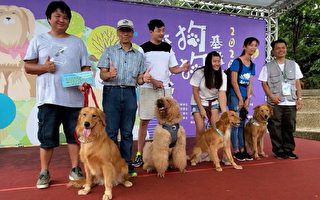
(86, 91)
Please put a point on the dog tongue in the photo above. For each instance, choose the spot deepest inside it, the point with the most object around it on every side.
(86, 132)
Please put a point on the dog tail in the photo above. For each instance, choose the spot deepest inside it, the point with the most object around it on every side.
(76, 184)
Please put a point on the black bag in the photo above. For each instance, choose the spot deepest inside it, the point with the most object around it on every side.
(228, 73)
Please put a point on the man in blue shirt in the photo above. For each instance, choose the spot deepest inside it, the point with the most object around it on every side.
(121, 69)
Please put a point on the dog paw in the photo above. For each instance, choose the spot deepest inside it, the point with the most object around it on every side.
(256, 156)
(161, 175)
(128, 184)
(264, 155)
(237, 167)
(107, 197)
(218, 169)
(83, 192)
(193, 163)
(183, 170)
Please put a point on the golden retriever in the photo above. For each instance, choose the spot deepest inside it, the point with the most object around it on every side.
(100, 155)
(214, 139)
(256, 128)
(167, 148)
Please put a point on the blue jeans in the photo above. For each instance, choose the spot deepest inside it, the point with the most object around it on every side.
(237, 138)
(120, 107)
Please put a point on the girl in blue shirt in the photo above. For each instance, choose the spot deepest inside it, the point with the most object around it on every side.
(240, 92)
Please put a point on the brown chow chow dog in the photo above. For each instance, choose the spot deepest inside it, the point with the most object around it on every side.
(214, 139)
(256, 128)
(169, 141)
(100, 155)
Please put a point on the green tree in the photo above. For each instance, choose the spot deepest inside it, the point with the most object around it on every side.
(301, 29)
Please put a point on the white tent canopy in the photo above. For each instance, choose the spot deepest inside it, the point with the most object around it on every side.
(268, 10)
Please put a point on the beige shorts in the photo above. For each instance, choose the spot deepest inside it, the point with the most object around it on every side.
(147, 100)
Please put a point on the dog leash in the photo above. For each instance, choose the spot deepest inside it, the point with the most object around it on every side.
(208, 112)
(86, 91)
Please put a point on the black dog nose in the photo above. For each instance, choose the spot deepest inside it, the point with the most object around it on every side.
(160, 103)
(87, 124)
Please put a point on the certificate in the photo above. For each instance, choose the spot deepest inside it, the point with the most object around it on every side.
(76, 79)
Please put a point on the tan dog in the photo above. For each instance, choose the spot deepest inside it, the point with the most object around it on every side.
(256, 128)
(214, 139)
(99, 154)
(16, 29)
(156, 154)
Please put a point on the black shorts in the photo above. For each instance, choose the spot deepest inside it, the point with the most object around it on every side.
(50, 118)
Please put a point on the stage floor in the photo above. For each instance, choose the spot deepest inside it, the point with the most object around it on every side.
(267, 178)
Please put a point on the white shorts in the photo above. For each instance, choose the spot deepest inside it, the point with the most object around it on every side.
(147, 101)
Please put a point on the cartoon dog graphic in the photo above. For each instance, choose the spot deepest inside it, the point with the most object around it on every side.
(17, 25)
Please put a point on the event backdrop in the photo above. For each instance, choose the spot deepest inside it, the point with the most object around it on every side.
(192, 35)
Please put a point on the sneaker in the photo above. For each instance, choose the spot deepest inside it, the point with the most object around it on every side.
(138, 161)
(238, 156)
(246, 156)
(281, 156)
(291, 155)
(43, 180)
(131, 171)
(76, 174)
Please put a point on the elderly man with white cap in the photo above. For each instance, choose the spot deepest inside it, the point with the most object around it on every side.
(122, 68)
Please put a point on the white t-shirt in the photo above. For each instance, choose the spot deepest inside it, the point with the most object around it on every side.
(69, 55)
(263, 76)
(198, 80)
(159, 58)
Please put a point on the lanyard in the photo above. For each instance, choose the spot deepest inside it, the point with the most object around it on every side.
(284, 75)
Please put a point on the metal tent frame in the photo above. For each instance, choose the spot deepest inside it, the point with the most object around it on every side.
(268, 10)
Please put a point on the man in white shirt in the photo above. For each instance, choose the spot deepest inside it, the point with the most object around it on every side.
(281, 82)
(161, 60)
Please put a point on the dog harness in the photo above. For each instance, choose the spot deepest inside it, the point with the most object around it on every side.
(173, 130)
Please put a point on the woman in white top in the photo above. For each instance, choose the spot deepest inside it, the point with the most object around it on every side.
(209, 85)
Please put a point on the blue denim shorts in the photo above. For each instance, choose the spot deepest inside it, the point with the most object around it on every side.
(50, 118)
(214, 105)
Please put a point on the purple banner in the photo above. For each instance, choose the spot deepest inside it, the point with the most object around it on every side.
(192, 35)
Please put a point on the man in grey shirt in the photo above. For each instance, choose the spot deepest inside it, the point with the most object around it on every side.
(49, 56)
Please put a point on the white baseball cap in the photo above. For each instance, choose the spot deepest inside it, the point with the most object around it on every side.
(125, 23)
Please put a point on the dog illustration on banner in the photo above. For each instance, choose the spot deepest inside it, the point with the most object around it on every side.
(17, 26)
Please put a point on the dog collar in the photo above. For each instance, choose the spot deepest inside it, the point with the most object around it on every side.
(173, 130)
(219, 132)
(255, 122)
(83, 140)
